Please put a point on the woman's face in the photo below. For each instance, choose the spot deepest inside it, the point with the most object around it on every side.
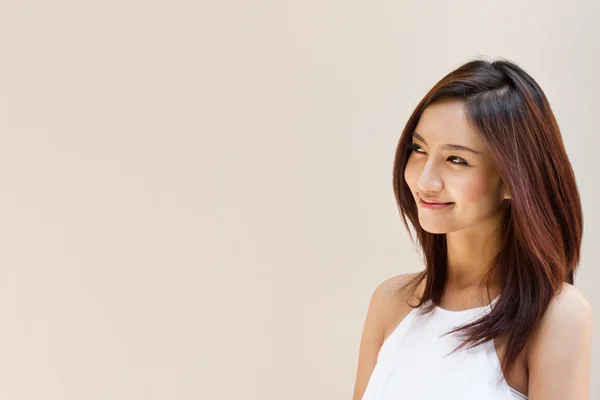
(438, 170)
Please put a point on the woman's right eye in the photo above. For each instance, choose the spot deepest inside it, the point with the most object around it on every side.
(414, 146)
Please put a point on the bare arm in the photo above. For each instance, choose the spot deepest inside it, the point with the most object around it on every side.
(374, 330)
(560, 353)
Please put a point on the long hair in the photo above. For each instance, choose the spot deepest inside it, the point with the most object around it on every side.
(542, 230)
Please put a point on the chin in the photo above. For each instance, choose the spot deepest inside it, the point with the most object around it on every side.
(436, 230)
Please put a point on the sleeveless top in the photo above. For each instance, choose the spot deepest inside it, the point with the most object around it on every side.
(414, 362)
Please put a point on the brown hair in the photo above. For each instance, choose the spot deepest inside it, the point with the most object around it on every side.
(542, 231)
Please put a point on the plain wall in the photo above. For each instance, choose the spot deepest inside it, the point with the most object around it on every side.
(196, 197)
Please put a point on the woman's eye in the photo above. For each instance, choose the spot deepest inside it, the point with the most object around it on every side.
(460, 160)
(414, 146)
(455, 159)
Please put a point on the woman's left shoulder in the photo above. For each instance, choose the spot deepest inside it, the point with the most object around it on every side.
(570, 300)
(569, 307)
(558, 351)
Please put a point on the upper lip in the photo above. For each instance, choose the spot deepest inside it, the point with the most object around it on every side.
(433, 201)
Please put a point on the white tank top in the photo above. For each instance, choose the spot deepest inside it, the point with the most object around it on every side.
(413, 362)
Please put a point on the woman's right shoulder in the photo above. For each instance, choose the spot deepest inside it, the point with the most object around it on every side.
(388, 301)
(398, 285)
(393, 295)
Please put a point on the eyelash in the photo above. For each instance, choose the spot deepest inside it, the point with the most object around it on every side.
(414, 146)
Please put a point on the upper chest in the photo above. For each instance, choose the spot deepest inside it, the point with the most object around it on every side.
(517, 378)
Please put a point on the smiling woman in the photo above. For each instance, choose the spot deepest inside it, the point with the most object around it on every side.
(449, 164)
(482, 175)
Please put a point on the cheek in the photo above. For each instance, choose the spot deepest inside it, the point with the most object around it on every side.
(410, 175)
(474, 188)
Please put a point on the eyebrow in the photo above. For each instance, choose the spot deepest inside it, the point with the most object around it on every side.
(449, 146)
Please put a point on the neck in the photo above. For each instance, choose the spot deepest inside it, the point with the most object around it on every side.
(470, 256)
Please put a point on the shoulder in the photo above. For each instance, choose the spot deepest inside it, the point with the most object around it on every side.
(569, 306)
(559, 350)
(386, 296)
(571, 299)
(394, 283)
(392, 295)
(395, 287)
(568, 310)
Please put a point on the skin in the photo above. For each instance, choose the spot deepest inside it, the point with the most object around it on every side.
(558, 353)
(555, 364)
(468, 180)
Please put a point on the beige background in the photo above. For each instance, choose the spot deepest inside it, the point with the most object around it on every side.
(196, 197)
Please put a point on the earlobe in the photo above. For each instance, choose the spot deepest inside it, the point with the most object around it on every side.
(507, 195)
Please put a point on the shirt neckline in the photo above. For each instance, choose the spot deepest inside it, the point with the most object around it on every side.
(467, 311)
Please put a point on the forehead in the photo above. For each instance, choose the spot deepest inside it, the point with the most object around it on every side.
(446, 122)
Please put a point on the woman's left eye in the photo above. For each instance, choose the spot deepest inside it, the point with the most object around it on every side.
(460, 160)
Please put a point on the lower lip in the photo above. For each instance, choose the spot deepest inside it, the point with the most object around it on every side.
(434, 206)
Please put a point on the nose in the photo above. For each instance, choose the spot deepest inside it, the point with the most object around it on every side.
(430, 180)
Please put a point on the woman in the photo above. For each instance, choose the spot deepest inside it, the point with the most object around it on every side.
(482, 174)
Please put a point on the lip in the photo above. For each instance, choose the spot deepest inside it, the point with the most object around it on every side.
(433, 206)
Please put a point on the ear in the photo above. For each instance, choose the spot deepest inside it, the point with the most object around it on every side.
(505, 194)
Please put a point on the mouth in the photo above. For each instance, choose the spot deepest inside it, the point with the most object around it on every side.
(433, 206)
